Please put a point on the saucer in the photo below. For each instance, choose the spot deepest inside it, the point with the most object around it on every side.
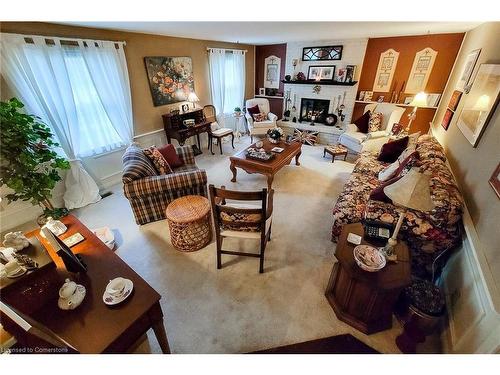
(111, 300)
(21, 271)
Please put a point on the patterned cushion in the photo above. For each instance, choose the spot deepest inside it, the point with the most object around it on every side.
(252, 221)
(397, 128)
(222, 132)
(375, 122)
(158, 160)
(259, 117)
(136, 164)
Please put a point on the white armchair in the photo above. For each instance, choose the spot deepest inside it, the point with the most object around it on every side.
(261, 127)
(353, 139)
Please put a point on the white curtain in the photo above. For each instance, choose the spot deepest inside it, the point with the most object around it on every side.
(58, 83)
(227, 81)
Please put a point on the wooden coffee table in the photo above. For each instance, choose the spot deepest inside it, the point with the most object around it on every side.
(267, 168)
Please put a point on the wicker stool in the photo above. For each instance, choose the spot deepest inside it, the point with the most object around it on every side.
(189, 222)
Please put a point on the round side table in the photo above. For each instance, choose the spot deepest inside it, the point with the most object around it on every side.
(188, 218)
(239, 119)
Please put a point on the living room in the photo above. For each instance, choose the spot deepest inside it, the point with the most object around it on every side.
(250, 187)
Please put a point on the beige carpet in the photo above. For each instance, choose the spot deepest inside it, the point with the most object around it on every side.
(236, 309)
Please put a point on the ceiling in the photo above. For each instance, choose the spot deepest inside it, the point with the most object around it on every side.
(280, 32)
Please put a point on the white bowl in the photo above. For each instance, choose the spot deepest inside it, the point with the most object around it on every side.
(369, 258)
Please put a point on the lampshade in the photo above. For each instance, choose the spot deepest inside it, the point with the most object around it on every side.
(420, 100)
(411, 191)
(482, 104)
(193, 98)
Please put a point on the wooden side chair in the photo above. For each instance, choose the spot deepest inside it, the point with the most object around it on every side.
(216, 132)
(242, 220)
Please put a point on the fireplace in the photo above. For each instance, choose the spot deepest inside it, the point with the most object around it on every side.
(314, 107)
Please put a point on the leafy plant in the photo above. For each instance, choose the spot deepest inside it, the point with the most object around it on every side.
(29, 165)
(237, 109)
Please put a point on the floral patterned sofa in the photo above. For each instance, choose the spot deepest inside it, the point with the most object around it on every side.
(427, 234)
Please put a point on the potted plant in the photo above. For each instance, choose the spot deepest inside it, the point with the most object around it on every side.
(274, 135)
(29, 165)
(237, 111)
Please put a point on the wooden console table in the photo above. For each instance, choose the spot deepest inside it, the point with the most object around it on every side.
(92, 327)
(362, 299)
(173, 123)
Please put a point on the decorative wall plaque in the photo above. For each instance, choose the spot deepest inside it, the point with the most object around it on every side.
(420, 70)
(272, 70)
(385, 70)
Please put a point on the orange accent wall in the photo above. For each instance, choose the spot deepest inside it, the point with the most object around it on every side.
(447, 46)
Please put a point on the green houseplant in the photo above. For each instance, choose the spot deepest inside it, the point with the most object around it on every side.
(29, 165)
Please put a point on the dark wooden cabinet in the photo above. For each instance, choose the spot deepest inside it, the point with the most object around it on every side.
(362, 299)
(173, 123)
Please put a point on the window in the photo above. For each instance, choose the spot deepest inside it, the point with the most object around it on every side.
(227, 79)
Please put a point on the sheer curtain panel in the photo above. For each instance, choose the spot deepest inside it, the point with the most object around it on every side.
(227, 81)
(73, 89)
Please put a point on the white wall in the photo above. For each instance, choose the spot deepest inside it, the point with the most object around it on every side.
(353, 54)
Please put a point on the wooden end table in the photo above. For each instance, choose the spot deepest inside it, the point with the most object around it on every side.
(364, 299)
(335, 150)
(188, 218)
(267, 168)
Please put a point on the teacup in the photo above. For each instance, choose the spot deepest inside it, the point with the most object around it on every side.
(116, 286)
(12, 267)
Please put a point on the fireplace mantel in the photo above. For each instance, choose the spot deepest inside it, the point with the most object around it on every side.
(326, 83)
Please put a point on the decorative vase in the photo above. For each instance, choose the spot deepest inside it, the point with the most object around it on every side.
(272, 140)
(288, 77)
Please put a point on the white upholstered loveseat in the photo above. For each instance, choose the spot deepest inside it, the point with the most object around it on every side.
(261, 127)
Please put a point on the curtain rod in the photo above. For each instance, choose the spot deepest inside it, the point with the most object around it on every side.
(228, 49)
(69, 39)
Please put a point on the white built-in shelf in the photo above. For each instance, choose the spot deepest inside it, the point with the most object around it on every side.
(398, 104)
(269, 96)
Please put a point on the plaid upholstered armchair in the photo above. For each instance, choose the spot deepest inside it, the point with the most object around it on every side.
(150, 193)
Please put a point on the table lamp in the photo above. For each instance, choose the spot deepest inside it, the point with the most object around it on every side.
(193, 98)
(420, 100)
(410, 191)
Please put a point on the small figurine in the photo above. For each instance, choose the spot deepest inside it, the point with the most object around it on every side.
(55, 226)
(16, 240)
(71, 295)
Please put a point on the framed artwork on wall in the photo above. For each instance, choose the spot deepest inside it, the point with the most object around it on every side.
(170, 78)
(350, 72)
(445, 123)
(420, 70)
(470, 62)
(454, 100)
(480, 102)
(272, 71)
(385, 70)
(495, 180)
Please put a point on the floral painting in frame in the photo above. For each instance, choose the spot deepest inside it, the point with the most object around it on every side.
(170, 78)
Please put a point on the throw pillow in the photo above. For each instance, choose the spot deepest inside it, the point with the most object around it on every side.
(170, 155)
(407, 164)
(391, 150)
(397, 128)
(389, 172)
(362, 122)
(253, 110)
(259, 117)
(378, 193)
(375, 122)
(158, 160)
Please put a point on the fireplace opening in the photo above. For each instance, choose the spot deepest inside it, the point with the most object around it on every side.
(314, 107)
